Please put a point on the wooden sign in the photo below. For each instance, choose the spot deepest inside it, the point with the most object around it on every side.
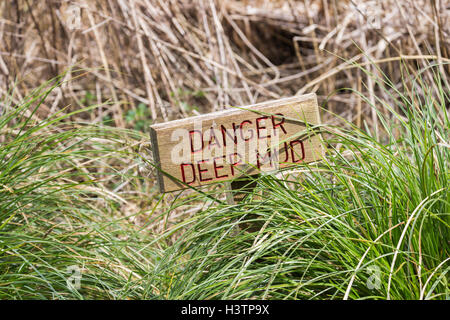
(227, 144)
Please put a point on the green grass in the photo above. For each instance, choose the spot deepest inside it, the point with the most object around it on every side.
(371, 221)
(55, 216)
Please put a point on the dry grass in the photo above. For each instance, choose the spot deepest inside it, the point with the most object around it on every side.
(181, 58)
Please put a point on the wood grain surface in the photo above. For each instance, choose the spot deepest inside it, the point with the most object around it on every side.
(240, 141)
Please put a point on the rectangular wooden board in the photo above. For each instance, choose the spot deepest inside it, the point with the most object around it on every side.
(227, 144)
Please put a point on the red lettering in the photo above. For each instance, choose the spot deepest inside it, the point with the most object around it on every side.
(279, 124)
(212, 137)
(191, 133)
(286, 151)
(183, 175)
(216, 167)
(265, 159)
(200, 170)
(226, 132)
(292, 143)
(258, 127)
(234, 162)
(249, 130)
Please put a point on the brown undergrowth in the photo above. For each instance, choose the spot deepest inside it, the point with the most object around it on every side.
(148, 61)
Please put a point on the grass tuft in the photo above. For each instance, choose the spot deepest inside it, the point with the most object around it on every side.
(369, 222)
(58, 222)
